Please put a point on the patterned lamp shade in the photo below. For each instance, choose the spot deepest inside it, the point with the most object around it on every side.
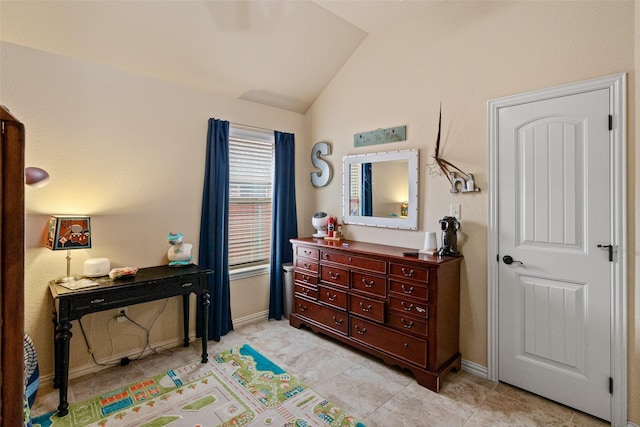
(69, 232)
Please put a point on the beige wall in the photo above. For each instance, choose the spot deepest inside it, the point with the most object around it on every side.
(130, 152)
(463, 54)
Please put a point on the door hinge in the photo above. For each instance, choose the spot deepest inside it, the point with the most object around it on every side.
(610, 385)
(610, 122)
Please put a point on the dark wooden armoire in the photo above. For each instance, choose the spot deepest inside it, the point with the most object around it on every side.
(12, 270)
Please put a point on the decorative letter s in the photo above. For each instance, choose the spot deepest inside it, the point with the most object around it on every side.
(322, 178)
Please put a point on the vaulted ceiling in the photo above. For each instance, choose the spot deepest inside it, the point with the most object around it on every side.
(279, 53)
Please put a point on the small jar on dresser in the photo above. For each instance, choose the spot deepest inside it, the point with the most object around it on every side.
(404, 310)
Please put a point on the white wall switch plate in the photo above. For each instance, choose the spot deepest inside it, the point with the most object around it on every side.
(454, 210)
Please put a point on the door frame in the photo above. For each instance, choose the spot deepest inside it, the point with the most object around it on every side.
(618, 186)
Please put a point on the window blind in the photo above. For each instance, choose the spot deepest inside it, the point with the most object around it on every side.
(250, 195)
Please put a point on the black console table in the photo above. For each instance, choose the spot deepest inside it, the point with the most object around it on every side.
(148, 284)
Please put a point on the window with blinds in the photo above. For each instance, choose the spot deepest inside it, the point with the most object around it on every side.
(250, 193)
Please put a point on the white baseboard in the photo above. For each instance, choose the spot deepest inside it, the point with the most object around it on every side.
(474, 368)
(241, 321)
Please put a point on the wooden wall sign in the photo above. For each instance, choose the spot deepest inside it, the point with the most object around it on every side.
(380, 136)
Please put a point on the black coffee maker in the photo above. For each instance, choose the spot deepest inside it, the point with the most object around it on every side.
(449, 226)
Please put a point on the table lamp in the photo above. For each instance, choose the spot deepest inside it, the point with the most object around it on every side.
(67, 233)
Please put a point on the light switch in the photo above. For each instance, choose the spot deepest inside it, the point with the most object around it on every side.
(454, 210)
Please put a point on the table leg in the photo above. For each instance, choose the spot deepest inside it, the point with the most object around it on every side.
(185, 315)
(56, 353)
(204, 323)
(63, 336)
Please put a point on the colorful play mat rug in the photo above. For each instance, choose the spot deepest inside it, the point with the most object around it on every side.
(239, 387)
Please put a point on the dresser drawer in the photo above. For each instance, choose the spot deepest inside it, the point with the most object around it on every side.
(306, 279)
(335, 275)
(408, 324)
(401, 345)
(374, 285)
(331, 318)
(355, 261)
(306, 252)
(307, 264)
(409, 289)
(408, 306)
(367, 307)
(332, 297)
(409, 272)
(306, 291)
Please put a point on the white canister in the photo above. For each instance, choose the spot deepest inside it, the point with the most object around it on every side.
(430, 243)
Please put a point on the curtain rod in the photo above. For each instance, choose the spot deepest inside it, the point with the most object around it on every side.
(251, 127)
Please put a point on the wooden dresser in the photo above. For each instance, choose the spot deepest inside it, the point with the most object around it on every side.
(404, 310)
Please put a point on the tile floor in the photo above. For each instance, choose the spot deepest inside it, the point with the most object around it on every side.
(378, 395)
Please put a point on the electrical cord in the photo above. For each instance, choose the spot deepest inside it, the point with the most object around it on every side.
(125, 360)
(156, 350)
(86, 340)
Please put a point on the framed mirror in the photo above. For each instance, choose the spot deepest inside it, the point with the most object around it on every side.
(381, 189)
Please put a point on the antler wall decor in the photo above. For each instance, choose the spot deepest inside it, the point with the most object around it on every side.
(466, 183)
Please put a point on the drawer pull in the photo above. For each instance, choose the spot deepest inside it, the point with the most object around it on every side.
(306, 265)
(407, 291)
(331, 298)
(367, 308)
(186, 285)
(305, 291)
(97, 301)
(306, 252)
(326, 256)
(368, 285)
(334, 276)
(305, 279)
(407, 273)
(406, 345)
(407, 325)
(407, 308)
(350, 260)
(360, 331)
(420, 310)
(302, 308)
(337, 321)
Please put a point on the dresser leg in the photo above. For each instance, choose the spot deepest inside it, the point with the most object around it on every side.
(63, 337)
(433, 379)
(204, 319)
